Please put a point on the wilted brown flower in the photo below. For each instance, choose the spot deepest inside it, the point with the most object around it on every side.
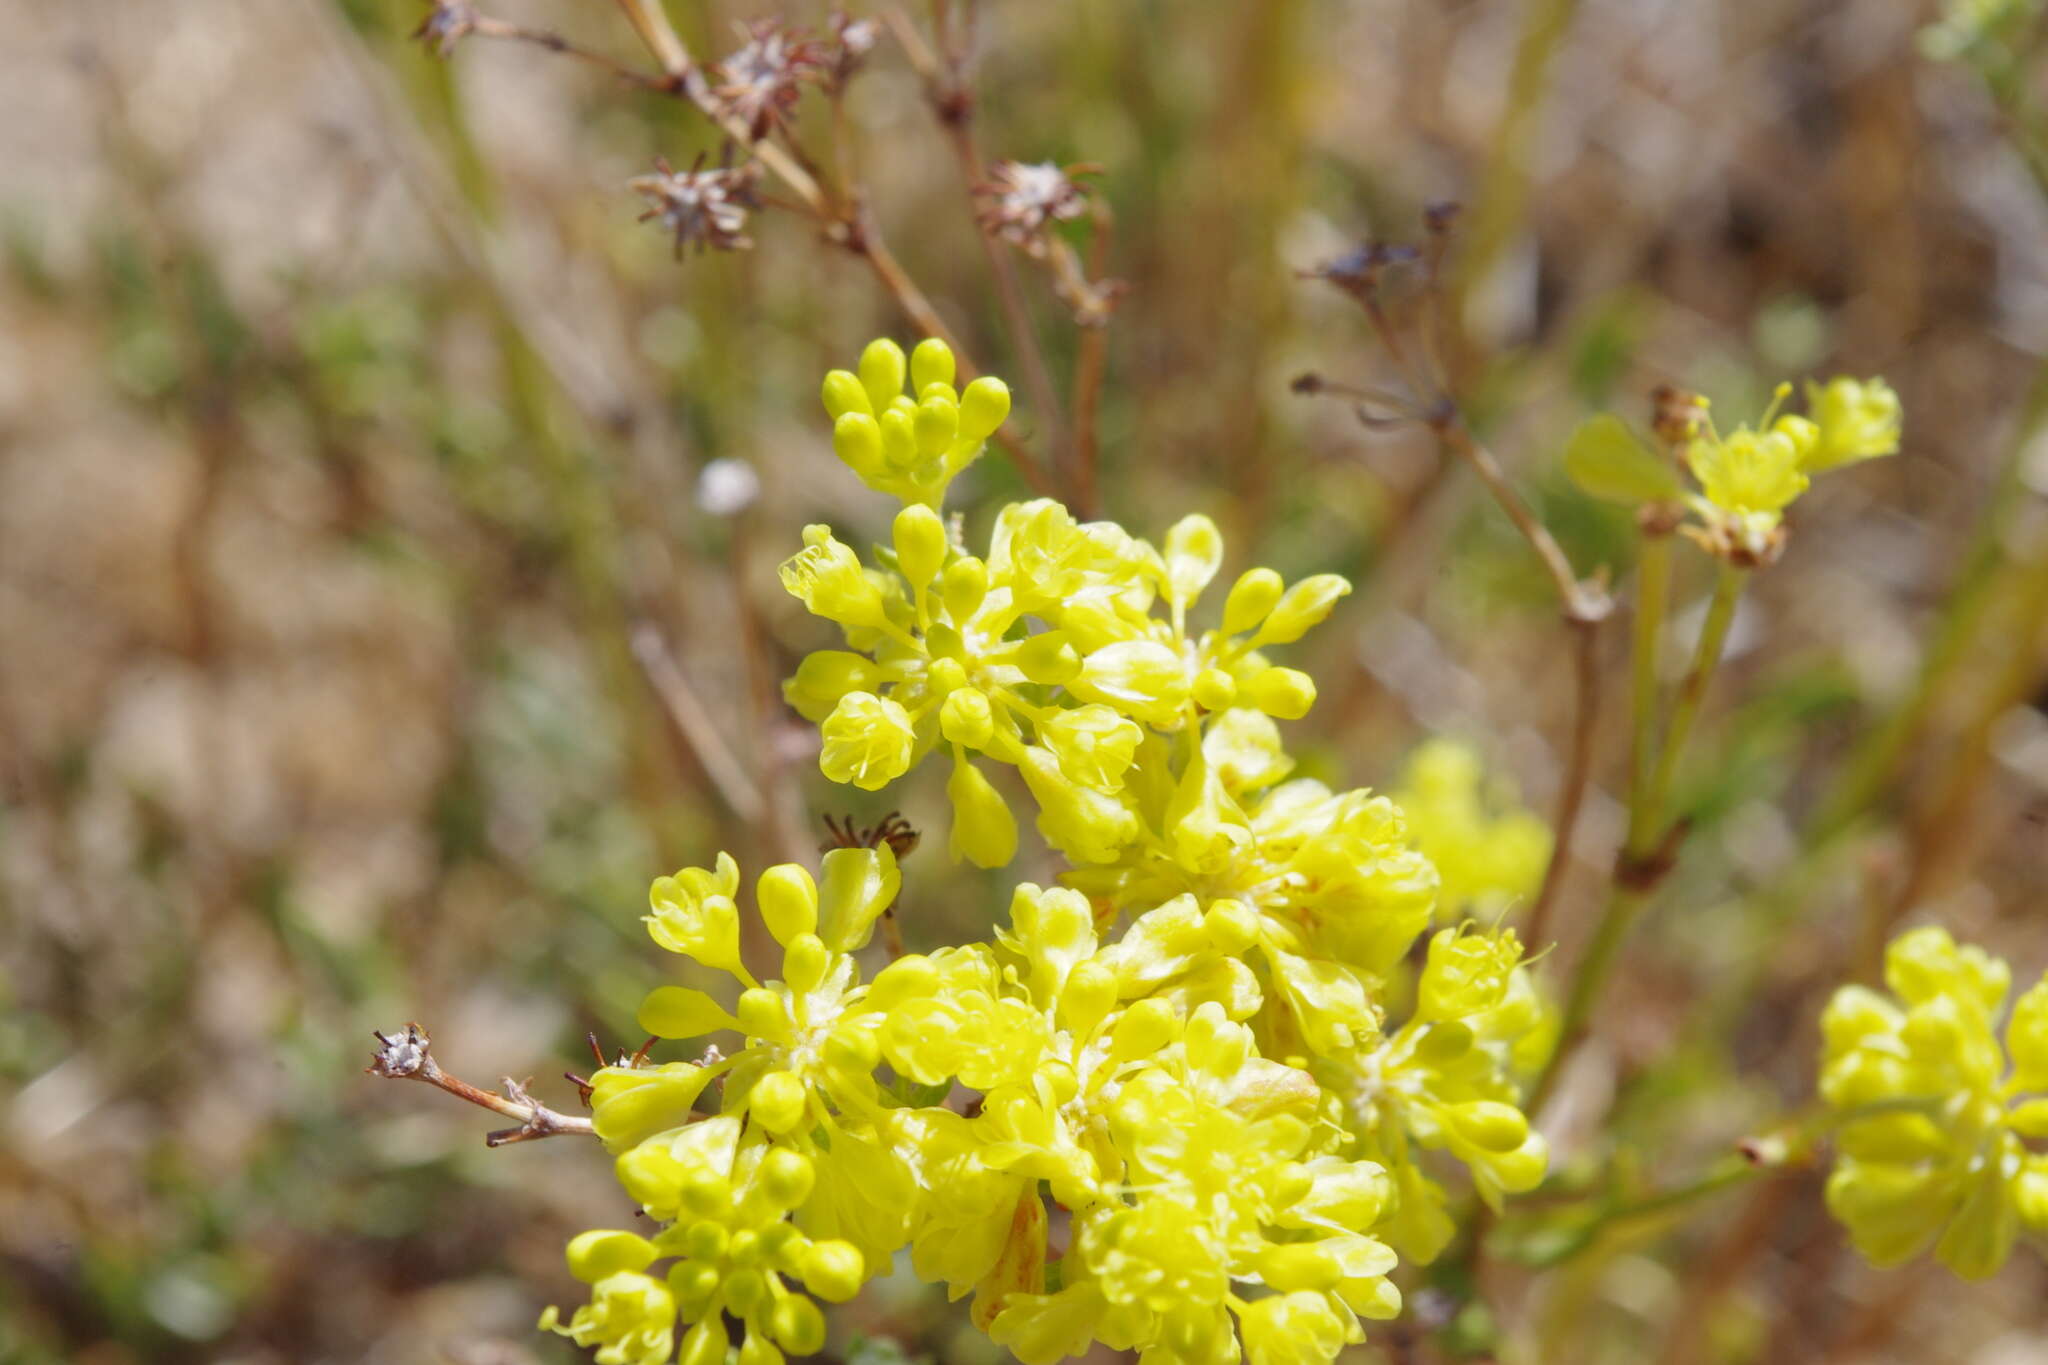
(758, 82)
(449, 23)
(852, 40)
(701, 208)
(1019, 202)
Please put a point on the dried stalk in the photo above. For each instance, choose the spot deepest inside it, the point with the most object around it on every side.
(407, 1058)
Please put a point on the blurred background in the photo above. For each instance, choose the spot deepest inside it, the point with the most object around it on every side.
(371, 635)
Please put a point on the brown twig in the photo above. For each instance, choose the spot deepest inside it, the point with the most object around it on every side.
(407, 1058)
(486, 27)
(694, 723)
(1577, 776)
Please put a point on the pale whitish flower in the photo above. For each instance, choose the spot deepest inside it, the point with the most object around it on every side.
(727, 487)
(758, 82)
(1019, 202)
(704, 208)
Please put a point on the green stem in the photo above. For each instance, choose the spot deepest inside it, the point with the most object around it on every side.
(1653, 593)
(1870, 767)
(1686, 710)
(1647, 830)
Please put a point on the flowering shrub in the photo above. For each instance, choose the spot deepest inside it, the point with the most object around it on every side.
(1177, 1064)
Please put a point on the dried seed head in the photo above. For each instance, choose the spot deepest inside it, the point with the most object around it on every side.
(853, 39)
(758, 82)
(699, 207)
(1357, 272)
(405, 1055)
(1020, 202)
(448, 24)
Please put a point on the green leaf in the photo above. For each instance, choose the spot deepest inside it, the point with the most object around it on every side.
(679, 1012)
(1606, 460)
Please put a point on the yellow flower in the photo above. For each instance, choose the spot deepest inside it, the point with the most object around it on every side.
(1935, 1127)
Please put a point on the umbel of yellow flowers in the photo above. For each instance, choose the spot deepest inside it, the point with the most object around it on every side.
(1747, 478)
(1183, 1046)
(1935, 1116)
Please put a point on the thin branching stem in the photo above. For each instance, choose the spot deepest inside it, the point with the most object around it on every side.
(1685, 710)
(408, 1058)
(1653, 594)
(1571, 795)
(695, 725)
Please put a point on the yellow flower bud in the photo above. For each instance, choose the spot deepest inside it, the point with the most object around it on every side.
(796, 1322)
(804, 963)
(1048, 657)
(984, 831)
(824, 677)
(1194, 551)
(1215, 690)
(898, 425)
(1489, 1124)
(833, 1270)
(965, 717)
(936, 424)
(786, 1177)
(1283, 693)
(1301, 608)
(778, 1101)
(1251, 599)
(920, 544)
(982, 408)
(788, 900)
(860, 883)
(1088, 997)
(882, 367)
(763, 1014)
(595, 1255)
(931, 362)
(705, 1240)
(857, 441)
(843, 394)
(963, 586)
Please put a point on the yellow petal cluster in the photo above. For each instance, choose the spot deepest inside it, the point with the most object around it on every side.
(1749, 476)
(1939, 1125)
(1161, 1107)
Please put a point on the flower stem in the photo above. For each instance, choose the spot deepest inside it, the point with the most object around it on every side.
(1686, 710)
(1653, 593)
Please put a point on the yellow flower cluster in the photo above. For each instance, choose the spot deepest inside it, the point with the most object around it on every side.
(1162, 1108)
(1489, 852)
(1936, 1119)
(1748, 477)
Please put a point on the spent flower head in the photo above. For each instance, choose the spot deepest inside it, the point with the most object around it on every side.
(705, 209)
(1020, 201)
(758, 83)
